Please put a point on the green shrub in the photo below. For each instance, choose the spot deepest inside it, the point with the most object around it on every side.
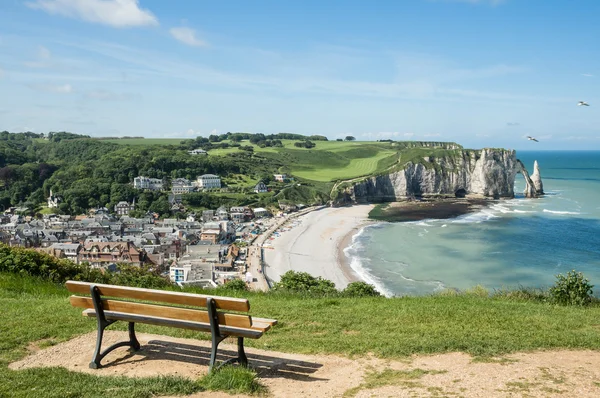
(571, 289)
(303, 282)
(19, 260)
(360, 289)
(233, 379)
(235, 284)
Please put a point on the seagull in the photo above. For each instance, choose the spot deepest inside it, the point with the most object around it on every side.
(582, 103)
(530, 138)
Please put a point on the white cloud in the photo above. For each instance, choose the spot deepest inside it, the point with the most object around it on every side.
(187, 36)
(117, 13)
(432, 135)
(513, 124)
(44, 59)
(60, 89)
(587, 75)
(408, 135)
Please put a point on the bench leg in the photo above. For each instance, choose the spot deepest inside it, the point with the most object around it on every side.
(243, 360)
(133, 341)
(213, 351)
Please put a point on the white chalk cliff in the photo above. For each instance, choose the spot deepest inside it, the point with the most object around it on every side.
(536, 178)
(486, 172)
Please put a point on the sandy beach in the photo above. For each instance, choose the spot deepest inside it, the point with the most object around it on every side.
(314, 243)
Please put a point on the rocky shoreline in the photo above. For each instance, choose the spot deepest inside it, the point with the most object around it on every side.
(428, 208)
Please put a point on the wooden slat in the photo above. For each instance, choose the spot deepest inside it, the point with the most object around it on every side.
(197, 300)
(184, 314)
(159, 321)
(271, 322)
(264, 327)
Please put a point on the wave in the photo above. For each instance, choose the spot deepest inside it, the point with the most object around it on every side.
(359, 268)
(561, 212)
(483, 215)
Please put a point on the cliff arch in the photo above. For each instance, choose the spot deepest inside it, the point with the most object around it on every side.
(530, 191)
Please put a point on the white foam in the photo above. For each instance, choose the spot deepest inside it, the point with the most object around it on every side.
(484, 215)
(561, 212)
(358, 267)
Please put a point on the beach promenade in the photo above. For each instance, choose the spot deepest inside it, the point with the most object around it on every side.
(254, 250)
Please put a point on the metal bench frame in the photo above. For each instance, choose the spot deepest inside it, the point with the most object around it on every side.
(134, 344)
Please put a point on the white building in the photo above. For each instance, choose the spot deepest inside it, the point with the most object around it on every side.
(261, 187)
(53, 201)
(208, 181)
(260, 212)
(198, 152)
(279, 177)
(153, 184)
(123, 208)
(181, 186)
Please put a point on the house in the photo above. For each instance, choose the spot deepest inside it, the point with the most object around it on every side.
(181, 185)
(260, 212)
(287, 207)
(222, 213)
(208, 215)
(123, 208)
(207, 181)
(279, 177)
(211, 232)
(153, 184)
(103, 254)
(198, 151)
(261, 187)
(65, 250)
(53, 201)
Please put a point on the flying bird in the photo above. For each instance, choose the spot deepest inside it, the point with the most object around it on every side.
(530, 138)
(583, 103)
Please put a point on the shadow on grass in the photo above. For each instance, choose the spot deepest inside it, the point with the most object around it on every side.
(265, 366)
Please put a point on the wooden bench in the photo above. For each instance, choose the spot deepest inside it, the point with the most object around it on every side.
(106, 303)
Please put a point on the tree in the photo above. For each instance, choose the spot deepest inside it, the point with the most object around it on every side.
(350, 138)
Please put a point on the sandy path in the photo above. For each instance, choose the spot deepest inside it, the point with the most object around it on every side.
(313, 244)
(538, 374)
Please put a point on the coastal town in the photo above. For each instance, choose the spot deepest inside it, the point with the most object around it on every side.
(204, 249)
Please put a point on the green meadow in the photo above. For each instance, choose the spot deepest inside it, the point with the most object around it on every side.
(37, 312)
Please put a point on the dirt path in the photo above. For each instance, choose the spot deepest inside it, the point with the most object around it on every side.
(538, 374)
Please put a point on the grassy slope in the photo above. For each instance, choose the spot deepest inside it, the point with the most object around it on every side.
(34, 311)
(328, 160)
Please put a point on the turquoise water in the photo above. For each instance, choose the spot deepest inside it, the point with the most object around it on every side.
(512, 243)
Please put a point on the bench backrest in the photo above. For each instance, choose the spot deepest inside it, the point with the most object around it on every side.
(112, 301)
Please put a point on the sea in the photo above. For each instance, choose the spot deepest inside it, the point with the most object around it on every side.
(512, 243)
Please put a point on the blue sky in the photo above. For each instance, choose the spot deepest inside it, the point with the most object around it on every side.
(478, 72)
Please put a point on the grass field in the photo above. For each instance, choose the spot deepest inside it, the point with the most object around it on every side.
(146, 141)
(355, 168)
(328, 160)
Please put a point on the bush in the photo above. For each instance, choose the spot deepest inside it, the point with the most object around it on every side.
(571, 289)
(18, 260)
(235, 284)
(360, 289)
(303, 282)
